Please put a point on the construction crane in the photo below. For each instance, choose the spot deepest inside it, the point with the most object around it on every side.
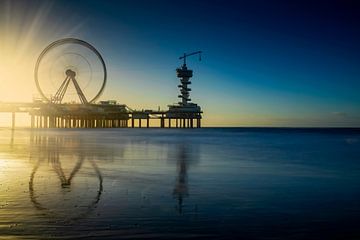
(190, 54)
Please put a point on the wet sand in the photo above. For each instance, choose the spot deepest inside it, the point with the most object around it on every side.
(179, 183)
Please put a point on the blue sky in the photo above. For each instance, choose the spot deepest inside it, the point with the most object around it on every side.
(265, 63)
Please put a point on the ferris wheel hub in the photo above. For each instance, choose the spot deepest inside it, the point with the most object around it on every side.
(70, 73)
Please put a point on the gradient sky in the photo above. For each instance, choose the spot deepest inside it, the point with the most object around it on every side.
(265, 63)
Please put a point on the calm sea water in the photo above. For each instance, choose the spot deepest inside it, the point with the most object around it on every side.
(235, 183)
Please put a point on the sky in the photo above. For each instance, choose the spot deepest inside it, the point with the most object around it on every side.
(264, 63)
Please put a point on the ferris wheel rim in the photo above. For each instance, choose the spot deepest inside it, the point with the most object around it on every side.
(70, 41)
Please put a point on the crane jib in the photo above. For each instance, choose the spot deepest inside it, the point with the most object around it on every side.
(190, 54)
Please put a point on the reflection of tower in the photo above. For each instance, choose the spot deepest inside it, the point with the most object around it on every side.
(181, 186)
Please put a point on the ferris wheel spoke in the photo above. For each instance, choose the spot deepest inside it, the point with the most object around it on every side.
(61, 91)
(46, 63)
(67, 60)
(78, 58)
(83, 72)
(63, 61)
(91, 71)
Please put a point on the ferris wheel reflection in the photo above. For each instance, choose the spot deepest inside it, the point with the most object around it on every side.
(66, 182)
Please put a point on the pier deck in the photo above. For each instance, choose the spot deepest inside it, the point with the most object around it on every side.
(51, 115)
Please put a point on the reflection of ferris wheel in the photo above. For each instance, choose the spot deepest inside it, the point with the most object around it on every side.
(86, 192)
(57, 208)
(68, 70)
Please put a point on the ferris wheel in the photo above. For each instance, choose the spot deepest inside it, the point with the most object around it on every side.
(70, 70)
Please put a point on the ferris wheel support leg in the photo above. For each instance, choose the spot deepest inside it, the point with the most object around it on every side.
(79, 92)
(61, 91)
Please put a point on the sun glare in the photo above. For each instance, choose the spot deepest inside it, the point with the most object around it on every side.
(20, 34)
(16, 78)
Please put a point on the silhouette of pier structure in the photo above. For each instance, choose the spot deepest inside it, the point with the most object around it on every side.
(53, 110)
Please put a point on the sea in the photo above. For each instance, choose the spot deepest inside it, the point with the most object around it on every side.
(208, 183)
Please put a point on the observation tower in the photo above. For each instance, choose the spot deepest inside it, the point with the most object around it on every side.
(185, 110)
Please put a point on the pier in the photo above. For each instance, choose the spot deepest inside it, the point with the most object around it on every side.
(54, 110)
(103, 115)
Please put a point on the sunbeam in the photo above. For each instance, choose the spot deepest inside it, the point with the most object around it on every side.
(25, 27)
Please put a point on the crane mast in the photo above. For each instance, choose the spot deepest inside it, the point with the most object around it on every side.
(190, 54)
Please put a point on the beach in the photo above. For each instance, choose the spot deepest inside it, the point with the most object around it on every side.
(209, 183)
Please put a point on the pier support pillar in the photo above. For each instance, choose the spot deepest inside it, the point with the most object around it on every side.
(162, 122)
(51, 122)
(13, 120)
(45, 121)
(32, 120)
